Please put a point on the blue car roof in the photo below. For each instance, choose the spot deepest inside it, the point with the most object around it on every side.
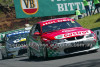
(17, 32)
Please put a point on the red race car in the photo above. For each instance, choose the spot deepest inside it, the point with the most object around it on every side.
(58, 37)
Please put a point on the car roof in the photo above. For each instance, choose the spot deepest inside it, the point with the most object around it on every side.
(17, 32)
(51, 21)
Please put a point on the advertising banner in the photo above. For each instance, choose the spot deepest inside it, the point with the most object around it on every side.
(41, 8)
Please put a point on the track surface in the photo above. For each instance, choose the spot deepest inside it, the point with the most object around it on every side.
(91, 59)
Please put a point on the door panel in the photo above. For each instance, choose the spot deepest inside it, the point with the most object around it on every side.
(35, 41)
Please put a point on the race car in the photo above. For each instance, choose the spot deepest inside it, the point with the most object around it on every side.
(2, 34)
(14, 44)
(59, 37)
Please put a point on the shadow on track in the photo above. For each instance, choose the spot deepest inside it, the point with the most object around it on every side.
(88, 63)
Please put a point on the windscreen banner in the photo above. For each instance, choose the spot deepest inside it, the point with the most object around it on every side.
(41, 8)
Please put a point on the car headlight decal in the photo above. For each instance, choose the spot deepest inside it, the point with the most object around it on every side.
(90, 35)
(59, 37)
(57, 41)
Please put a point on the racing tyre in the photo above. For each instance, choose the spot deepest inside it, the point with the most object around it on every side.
(30, 56)
(3, 58)
(45, 54)
(94, 51)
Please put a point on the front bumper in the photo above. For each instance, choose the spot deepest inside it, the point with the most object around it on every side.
(72, 47)
(12, 52)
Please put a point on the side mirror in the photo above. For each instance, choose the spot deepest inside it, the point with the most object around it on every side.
(37, 33)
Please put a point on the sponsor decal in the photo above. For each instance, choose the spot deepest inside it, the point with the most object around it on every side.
(29, 6)
(56, 21)
(59, 37)
(97, 32)
(77, 33)
(72, 34)
(72, 21)
(34, 45)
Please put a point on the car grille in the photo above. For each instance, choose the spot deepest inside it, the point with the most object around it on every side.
(75, 49)
(18, 45)
(74, 38)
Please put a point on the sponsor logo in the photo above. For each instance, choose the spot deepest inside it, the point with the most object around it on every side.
(59, 37)
(29, 6)
(79, 33)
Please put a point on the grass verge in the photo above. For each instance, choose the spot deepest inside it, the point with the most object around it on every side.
(90, 22)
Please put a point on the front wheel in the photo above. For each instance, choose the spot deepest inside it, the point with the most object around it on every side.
(3, 58)
(45, 53)
(4, 54)
(94, 51)
(29, 54)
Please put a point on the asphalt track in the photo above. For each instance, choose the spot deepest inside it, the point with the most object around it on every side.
(91, 59)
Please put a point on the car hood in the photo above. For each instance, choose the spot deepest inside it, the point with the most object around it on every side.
(66, 33)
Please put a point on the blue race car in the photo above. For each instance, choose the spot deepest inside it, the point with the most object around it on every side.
(14, 44)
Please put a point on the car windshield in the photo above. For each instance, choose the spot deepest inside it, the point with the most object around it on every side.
(60, 25)
(15, 38)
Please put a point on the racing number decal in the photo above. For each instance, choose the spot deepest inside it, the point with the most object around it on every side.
(34, 45)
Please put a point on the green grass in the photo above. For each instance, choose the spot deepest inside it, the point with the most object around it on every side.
(90, 22)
